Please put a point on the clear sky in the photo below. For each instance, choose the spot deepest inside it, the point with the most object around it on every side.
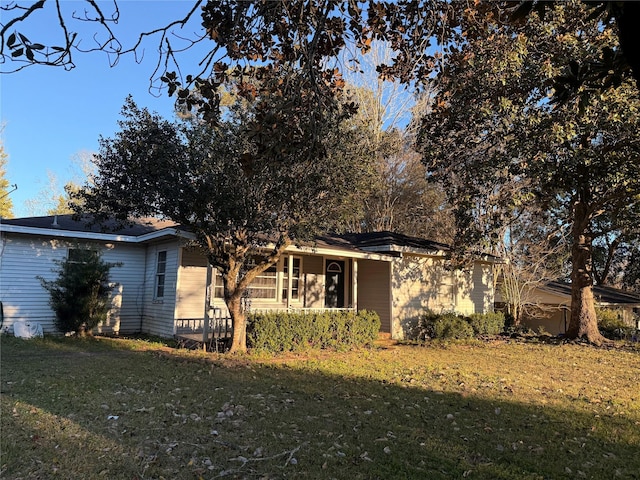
(50, 115)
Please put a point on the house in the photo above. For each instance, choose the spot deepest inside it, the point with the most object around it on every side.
(550, 309)
(161, 283)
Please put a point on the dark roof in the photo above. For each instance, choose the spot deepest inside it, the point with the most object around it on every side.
(602, 294)
(385, 238)
(380, 242)
(136, 228)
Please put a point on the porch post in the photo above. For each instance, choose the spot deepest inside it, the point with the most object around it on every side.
(289, 280)
(207, 306)
(355, 284)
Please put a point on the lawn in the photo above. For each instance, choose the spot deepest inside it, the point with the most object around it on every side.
(130, 409)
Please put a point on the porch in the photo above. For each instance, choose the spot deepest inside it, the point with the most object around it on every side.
(212, 333)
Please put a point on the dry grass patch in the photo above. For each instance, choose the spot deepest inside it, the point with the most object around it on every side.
(108, 408)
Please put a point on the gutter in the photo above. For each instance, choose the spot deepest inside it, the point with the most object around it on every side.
(111, 237)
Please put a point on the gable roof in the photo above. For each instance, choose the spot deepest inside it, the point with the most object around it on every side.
(603, 295)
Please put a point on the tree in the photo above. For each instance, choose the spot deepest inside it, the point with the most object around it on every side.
(302, 32)
(54, 200)
(601, 68)
(249, 41)
(6, 204)
(514, 150)
(533, 253)
(245, 200)
(79, 296)
(398, 197)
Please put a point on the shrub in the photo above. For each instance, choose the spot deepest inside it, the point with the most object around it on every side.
(611, 325)
(79, 296)
(288, 331)
(492, 323)
(444, 326)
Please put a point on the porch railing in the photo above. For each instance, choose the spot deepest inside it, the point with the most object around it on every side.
(217, 328)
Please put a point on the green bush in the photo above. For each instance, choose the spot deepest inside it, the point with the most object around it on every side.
(80, 295)
(443, 326)
(492, 323)
(611, 324)
(285, 331)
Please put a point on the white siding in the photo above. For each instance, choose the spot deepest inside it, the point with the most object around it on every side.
(24, 257)
(474, 289)
(158, 313)
(192, 281)
(418, 283)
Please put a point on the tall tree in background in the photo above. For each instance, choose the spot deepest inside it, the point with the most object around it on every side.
(6, 204)
(398, 197)
(533, 252)
(245, 202)
(499, 144)
(54, 200)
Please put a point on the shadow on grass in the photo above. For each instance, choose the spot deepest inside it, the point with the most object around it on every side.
(100, 411)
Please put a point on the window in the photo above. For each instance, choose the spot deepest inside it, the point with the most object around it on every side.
(265, 285)
(446, 292)
(77, 255)
(161, 274)
(218, 284)
(295, 278)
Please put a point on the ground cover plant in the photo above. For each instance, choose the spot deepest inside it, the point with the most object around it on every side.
(112, 408)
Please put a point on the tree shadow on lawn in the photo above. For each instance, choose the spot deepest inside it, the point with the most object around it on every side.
(125, 414)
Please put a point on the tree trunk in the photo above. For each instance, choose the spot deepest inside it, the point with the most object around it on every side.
(583, 322)
(239, 322)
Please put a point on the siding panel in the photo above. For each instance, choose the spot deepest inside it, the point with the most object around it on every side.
(24, 258)
(158, 313)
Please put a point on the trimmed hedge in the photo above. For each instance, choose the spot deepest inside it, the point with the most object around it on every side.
(287, 331)
(453, 326)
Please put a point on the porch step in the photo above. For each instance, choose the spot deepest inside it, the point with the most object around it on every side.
(385, 341)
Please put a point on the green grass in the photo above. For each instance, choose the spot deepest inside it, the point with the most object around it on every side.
(123, 409)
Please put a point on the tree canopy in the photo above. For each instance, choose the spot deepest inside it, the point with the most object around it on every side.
(6, 204)
(514, 151)
(245, 203)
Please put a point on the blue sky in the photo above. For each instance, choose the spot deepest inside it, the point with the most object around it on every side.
(50, 115)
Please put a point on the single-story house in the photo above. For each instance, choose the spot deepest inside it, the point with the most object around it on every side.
(161, 283)
(550, 309)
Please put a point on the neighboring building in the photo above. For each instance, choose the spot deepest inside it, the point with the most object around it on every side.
(162, 281)
(551, 306)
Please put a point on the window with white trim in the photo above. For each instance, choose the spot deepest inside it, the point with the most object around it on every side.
(265, 285)
(218, 284)
(161, 274)
(295, 278)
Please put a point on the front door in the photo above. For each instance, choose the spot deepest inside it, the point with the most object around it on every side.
(334, 284)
